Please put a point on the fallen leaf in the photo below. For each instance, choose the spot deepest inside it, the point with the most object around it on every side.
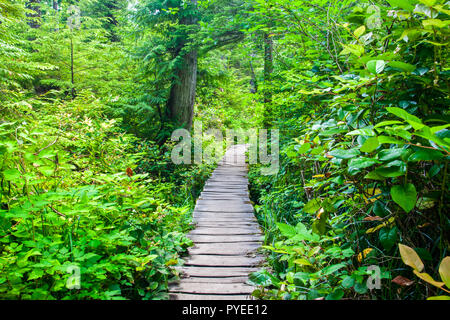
(129, 172)
(402, 281)
(373, 218)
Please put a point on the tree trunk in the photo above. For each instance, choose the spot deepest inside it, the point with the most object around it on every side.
(35, 6)
(253, 81)
(268, 69)
(182, 92)
(72, 73)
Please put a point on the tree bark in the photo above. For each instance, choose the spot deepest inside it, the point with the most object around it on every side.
(253, 81)
(35, 6)
(182, 92)
(72, 73)
(268, 69)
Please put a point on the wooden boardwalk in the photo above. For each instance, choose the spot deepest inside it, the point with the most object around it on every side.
(226, 237)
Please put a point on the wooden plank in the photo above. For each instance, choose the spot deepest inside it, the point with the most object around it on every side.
(187, 296)
(241, 181)
(225, 231)
(225, 209)
(224, 249)
(227, 184)
(224, 223)
(222, 190)
(217, 272)
(222, 215)
(227, 223)
(213, 288)
(236, 202)
(222, 239)
(223, 261)
(225, 187)
(242, 279)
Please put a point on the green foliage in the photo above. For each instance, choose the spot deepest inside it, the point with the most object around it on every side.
(365, 145)
(358, 90)
(68, 199)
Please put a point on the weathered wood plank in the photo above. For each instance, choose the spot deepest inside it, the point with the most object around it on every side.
(225, 231)
(225, 210)
(223, 261)
(224, 249)
(195, 271)
(225, 222)
(187, 296)
(242, 279)
(222, 239)
(212, 288)
(211, 215)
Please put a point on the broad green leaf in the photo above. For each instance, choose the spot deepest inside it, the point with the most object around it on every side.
(360, 288)
(392, 171)
(387, 123)
(410, 35)
(388, 237)
(376, 66)
(428, 3)
(303, 148)
(355, 49)
(390, 154)
(404, 4)
(348, 282)
(402, 66)
(46, 170)
(36, 274)
(410, 257)
(370, 145)
(405, 196)
(312, 206)
(337, 294)
(260, 278)
(302, 262)
(390, 140)
(362, 132)
(426, 133)
(444, 271)
(361, 163)
(415, 122)
(373, 175)
(359, 31)
(425, 154)
(333, 268)
(439, 298)
(441, 9)
(435, 23)
(11, 174)
(344, 154)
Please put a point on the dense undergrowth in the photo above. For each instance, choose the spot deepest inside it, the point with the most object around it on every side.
(364, 160)
(358, 90)
(89, 208)
(78, 192)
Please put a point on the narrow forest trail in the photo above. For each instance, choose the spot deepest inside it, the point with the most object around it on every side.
(226, 237)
